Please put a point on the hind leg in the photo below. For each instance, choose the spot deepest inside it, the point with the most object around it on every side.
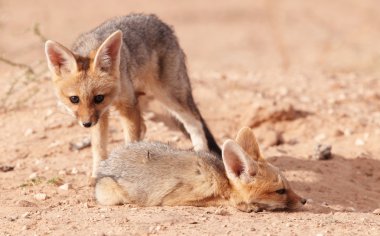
(173, 89)
(183, 108)
(192, 123)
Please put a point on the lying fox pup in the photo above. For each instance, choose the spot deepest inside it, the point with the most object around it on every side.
(114, 63)
(154, 174)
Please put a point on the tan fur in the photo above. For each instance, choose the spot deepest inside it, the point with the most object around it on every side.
(154, 174)
(114, 196)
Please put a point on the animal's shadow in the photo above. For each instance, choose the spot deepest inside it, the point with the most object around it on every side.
(338, 184)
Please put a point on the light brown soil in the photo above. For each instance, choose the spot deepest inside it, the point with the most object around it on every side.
(300, 72)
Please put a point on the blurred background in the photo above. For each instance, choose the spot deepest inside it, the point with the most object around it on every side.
(246, 35)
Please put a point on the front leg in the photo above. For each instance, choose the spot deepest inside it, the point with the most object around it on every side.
(99, 137)
(132, 122)
(245, 207)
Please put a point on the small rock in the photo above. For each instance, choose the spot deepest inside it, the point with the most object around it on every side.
(322, 152)
(33, 175)
(25, 227)
(6, 168)
(54, 144)
(320, 137)
(288, 225)
(359, 142)
(338, 133)
(40, 196)
(87, 205)
(49, 113)
(65, 186)
(29, 132)
(74, 171)
(103, 210)
(25, 215)
(349, 209)
(82, 144)
(221, 211)
(174, 139)
(151, 229)
(62, 172)
(347, 132)
(376, 211)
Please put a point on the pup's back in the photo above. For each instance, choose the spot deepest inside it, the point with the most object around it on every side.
(152, 174)
(142, 34)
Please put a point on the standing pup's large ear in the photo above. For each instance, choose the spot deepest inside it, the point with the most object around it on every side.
(247, 140)
(236, 162)
(60, 59)
(107, 58)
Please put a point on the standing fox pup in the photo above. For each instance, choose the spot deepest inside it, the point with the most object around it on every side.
(113, 64)
(153, 174)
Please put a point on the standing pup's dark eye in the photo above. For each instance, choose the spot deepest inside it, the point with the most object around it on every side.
(281, 191)
(98, 99)
(74, 99)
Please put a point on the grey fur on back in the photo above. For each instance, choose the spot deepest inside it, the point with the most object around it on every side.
(142, 35)
(149, 171)
(138, 30)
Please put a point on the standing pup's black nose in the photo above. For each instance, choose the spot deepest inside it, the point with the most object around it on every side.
(303, 201)
(87, 124)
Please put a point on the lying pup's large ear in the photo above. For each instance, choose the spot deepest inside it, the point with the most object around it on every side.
(247, 141)
(237, 163)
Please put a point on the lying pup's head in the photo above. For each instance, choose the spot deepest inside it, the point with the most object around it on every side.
(256, 184)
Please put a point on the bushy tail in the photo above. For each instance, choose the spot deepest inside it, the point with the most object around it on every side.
(211, 143)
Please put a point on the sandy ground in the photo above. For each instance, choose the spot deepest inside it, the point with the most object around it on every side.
(299, 72)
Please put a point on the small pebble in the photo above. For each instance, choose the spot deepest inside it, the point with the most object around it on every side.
(65, 186)
(29, 132)
(322, 152)
(320, 137)
(359, 142)
(221, 211)
(82, 144)
(25, 215)
(74, 171)
(33, 175)
(376, 211)
(40, 196)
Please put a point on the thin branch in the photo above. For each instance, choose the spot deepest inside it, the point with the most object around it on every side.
(15, 64)
(37, 31)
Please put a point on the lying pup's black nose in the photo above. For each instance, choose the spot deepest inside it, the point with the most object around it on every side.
(87, 124)
(303, 201)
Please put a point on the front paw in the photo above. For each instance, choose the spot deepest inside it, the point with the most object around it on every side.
(91, 181)
(245, 207)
